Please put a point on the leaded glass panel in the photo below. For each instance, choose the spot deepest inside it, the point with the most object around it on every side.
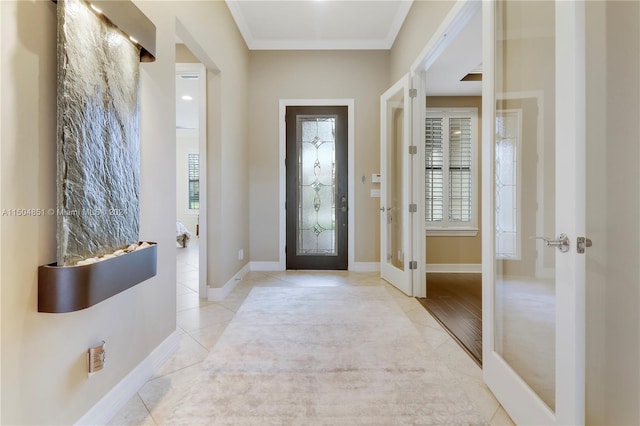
(317, 186)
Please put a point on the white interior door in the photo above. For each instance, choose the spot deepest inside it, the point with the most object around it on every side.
(533, 188)
(395, 236)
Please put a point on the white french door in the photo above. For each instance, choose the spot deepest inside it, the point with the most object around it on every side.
(533, 209)
(395, 237)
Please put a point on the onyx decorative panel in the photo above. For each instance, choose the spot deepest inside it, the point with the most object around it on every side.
(98, 135)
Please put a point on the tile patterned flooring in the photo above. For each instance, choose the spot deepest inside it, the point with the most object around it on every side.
(201, 323)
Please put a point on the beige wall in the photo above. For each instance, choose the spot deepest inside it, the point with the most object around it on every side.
(613, 213)
(362, 75)
(43, 376)
(184, 55)
(465, 250)
(216, 42)
(421, 23)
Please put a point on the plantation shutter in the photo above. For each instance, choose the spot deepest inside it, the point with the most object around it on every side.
(434, 172)
(459, 169)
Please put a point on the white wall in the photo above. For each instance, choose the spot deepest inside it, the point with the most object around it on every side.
(43, 376)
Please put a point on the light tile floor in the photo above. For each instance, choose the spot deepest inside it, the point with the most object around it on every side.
(201, 322)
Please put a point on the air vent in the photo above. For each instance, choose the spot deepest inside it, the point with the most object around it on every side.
(472, 77)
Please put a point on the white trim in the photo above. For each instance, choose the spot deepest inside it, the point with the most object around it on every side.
(451, 232)
(283, 104)
(241, 23)
(454, 268)
(398, 21)
(366, 267)
(110, 404)
(315, 44)
(215, 294)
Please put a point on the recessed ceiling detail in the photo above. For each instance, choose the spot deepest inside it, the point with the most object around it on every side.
(319, 25)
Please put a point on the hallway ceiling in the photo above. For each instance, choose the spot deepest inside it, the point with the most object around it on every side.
(462, 55)
(319, 24)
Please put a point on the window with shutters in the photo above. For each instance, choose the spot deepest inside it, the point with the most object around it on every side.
(193, 169)
(451, 172)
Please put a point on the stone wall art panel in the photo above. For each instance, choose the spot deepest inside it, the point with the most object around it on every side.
(98, 135)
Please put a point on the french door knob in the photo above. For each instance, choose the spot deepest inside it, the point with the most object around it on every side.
(562, 243)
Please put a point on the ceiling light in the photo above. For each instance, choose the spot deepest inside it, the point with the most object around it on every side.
(95, 9)
(187, 98)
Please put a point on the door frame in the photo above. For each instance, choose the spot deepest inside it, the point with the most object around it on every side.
(452, 24)
(282, 171)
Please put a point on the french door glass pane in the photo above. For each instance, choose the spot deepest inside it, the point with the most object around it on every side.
(395, 121)
(525, 192)
(317, 186)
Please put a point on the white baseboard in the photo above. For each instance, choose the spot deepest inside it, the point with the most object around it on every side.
(277, 266)
(219, 293)
(267, 266)
(365, 267)
(455, 268)
(120, 394)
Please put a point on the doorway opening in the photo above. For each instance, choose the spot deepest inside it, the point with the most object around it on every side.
(190, 82)
(451, 135)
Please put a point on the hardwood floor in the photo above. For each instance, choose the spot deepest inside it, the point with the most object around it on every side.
(456, 302)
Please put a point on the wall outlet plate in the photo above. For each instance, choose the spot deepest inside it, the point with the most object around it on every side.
(97, 358)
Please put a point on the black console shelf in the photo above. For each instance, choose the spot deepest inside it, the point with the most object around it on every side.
(73, 288)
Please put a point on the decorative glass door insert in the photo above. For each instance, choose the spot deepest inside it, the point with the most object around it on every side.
(317, 186)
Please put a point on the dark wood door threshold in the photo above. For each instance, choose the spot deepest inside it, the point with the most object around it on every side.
(455, 301)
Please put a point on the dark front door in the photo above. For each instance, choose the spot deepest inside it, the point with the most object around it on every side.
(317, 187)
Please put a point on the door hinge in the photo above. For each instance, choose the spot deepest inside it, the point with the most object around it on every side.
(413, 149)
(583, 243)
(413, 93)
(413, 208)
(413, 264)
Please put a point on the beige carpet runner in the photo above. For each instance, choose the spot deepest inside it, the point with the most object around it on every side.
(322, 356)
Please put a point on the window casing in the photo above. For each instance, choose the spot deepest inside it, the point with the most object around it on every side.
(451, 174)
(508, 153)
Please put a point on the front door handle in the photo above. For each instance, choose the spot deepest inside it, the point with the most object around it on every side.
(562, 243)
